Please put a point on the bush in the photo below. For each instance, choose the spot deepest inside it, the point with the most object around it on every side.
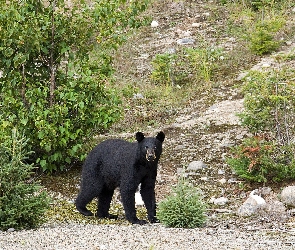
(262, 39)
(55, 61)
(22, 202)
(187, 65)
(260, 160)
(270, 104)
(184, 208)
(204, 61)
(168, 69)
(269, 115)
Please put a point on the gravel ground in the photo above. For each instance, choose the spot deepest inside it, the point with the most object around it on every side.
(78, 236)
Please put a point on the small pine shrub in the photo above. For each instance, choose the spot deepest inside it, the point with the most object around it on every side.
(183, 209)
(260, 4)
(262, 41)
(261, 160)
(22, 202)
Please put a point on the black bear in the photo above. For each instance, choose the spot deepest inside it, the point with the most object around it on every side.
(118, 163)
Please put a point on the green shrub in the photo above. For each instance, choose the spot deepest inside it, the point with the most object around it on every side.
(204, 61)
(259, 4)
(22, 201)
(169, 69)
(187, 65)
(262, 39)
(260, 160)
(184, 208)
(269, 115)
(55, 61)
(270, 103)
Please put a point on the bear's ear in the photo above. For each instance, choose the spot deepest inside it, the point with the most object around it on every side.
(139, 136)
(160, 136)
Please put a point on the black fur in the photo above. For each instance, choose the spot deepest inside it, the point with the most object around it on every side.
(118, 163)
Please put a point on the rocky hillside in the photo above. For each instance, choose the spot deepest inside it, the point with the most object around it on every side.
(203, 126)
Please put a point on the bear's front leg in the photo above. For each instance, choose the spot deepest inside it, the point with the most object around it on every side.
(128, 199)
(147, 192)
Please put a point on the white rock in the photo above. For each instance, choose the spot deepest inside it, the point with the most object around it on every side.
(144, 56)
(222, 181)
(184, 41)
(242, 76)
(266, 65)
(220, 201)
(196, 25)
(187, 33)
(289, 43)
(212, 199)
(258, 199)
(180, 171)
(154, 24)
(196, 165)
(171, 51)
(251, 205)
(288, 196)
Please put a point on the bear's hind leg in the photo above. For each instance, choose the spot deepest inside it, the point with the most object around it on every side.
(104, 203)
(86, 195)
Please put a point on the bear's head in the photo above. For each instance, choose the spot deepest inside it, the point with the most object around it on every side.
(150, 147)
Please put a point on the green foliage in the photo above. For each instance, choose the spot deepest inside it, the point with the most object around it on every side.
(270, 103)
(260, 23)
(22, 202)
(204, 61)
(269, 114)
(55, 60)
(184, 208)
(260, 160)
(168, 69)
(187, 65)
(259, 4)
(262, 39)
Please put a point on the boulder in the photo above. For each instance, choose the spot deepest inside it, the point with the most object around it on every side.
(251, 205)
(288, 196)
(195, 166)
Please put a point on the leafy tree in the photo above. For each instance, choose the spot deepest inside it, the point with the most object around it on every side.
(55, 61)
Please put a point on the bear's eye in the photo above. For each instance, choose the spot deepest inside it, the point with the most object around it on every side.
(146, 147)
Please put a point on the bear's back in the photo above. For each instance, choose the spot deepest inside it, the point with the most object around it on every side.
(115, 153)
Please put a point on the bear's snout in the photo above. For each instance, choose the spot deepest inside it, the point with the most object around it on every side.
(150, 154)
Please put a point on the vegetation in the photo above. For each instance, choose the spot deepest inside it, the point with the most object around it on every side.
(184, 208)
(57, 87)
(269, 115)
(189, 65)
(22, 201)
(56, 63)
